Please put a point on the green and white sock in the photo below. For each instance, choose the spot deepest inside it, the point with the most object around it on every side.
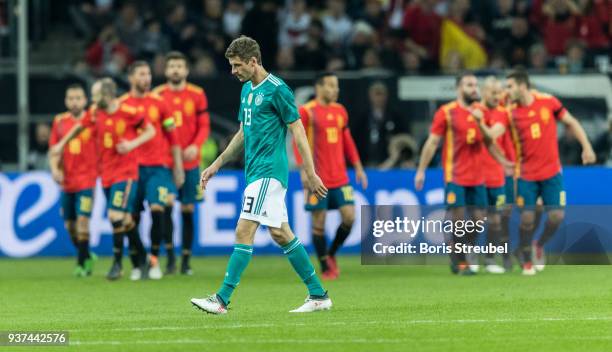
(296, 253)
(239, 260)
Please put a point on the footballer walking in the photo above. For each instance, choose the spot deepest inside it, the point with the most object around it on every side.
(267, 110)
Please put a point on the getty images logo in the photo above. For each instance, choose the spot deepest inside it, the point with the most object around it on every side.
(12, 219)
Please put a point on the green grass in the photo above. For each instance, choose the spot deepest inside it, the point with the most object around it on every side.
(376, 308)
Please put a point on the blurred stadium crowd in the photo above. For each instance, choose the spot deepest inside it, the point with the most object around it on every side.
(372, 36)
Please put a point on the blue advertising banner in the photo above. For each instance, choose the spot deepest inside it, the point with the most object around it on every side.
(31, 225)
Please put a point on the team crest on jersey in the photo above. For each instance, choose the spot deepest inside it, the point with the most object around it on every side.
(259, 99)
(86, 134)
(176, 100)
(153, 113)
(189, 107)
(312, 200)
(109, 122)
(120, 127)
(250, 98)
(340, 121)
(545, 114)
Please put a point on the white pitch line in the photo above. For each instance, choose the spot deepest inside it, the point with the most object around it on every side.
(341, 323)
(321, 341)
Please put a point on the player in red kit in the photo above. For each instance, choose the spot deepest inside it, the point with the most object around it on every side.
(190, 107)
(462, 154)
(330, 139)
(156, 180)
(75, 171)
(490, 113)
(115, 125)
(534, 119)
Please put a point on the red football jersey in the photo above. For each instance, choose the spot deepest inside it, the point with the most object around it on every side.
(190, 109)
(79, 156)
(155, 152)
(535, 133)
(463, 147)
(330, 141)
(110, 130)
(493, 170)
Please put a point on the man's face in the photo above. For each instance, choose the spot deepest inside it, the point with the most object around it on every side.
(140, 79)
(514, 90)
(176, 71)
(328, 89)
(468, 89)
(97, 98)
(243, 70)
(491, 94)
(75, 101)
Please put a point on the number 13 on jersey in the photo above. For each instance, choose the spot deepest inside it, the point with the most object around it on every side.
(247, 116)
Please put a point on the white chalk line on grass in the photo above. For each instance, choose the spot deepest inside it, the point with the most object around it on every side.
(341, 323)
(326, 341)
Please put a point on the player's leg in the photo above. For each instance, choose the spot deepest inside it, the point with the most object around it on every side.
(298, 257)
(156, 194)
(83, 211)
(342, 200)
(319, 241)
(496, 202)
(510, 188)
(553, 196)
(455, 204)
(190, 194)
(527, 194)
(476, 201)
(168, 232)
(238, 261)
(68, 211)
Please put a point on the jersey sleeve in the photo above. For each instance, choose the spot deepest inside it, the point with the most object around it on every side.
(348, 144)
(284, 103)
(88, 120)
(54, 138)
(438, 125)
(557, 108)
(202, 120)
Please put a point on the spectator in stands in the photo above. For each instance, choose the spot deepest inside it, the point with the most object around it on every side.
(153, 40)
(575, 56)
(336, 63)
(37, 156)
(90, 16)
(538, 58)
(499, 23)
(261, 24)
(204, 65)
(403, 151)
(498, 61)
(374, 14)
(459, 12)
(411, 62)
(557, 21)
(362, 39)
(232, 18)
(313, 54)
(376, 126)
(285, 60)
(422, 25)
(107, 54)
(181, 31)
(336, 23)
(129, 27)
(210, 31)
(516, 45)
(594, 27)
(294, 25)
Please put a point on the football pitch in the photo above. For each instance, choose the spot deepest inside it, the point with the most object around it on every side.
(376, 308)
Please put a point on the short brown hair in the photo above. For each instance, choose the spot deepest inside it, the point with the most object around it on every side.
(135, 65)
(108, 86)
(176, 55)
(244, 48)
(520, 76)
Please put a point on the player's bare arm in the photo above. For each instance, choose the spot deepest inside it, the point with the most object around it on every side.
(54, 165)
(125, 147)
(235, 147)
(429, 150)
(489, 133)
(314, 183)
(178, 173)
(588, 155)
(360, 175)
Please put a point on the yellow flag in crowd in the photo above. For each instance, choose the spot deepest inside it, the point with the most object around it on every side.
(454, 40)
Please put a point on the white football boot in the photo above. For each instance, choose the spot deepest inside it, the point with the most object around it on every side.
(211, 304)
(313, 304)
